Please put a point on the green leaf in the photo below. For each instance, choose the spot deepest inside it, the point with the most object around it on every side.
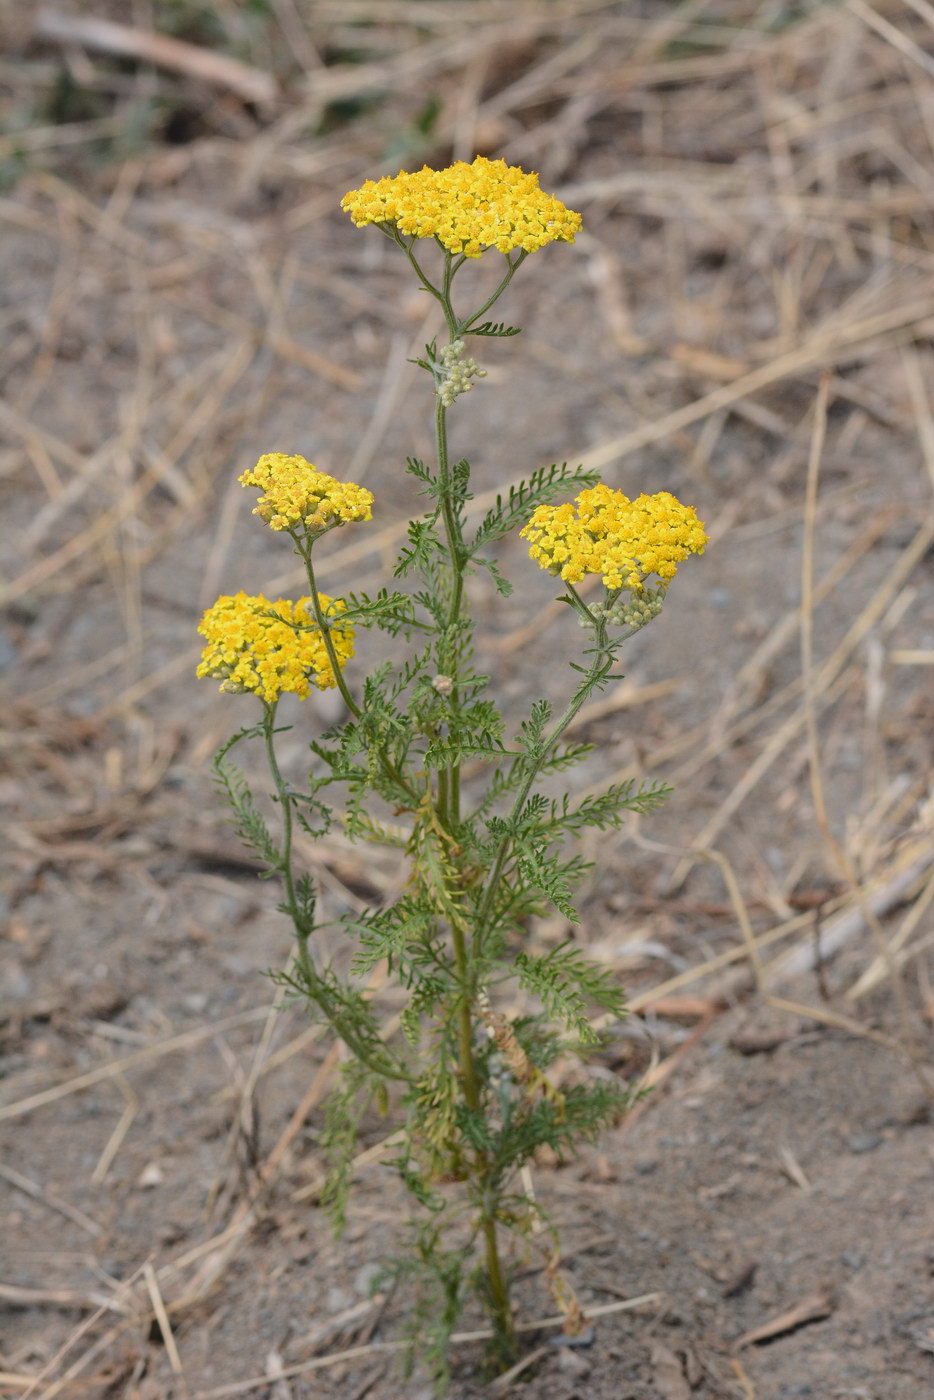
(501, 583)
(493, 328)
(604, 810)
(548, 875)
(542, 486)
(247, 821)
(564, 981)
(343, 1110)
(442, 753)
(565, 757)
(391, 612)
(533, 728)
(423, 545)
(562, 1122)
(460, 480)
(387, 933)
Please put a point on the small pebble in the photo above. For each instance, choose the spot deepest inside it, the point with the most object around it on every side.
(852, 1259)
(338, 1299)
(572, 1363)
(863, 1142)
(18, 984)
(8, 652)
(365, 1279)
(646, 1166)
(583, 1339)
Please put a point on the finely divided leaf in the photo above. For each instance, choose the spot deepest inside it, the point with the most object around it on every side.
(513, 512)
(493, 328)
(564, 981)
(248, 820)
(548, 875)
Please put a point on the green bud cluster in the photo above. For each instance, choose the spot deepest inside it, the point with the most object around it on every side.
(632, 611)
(456, 375)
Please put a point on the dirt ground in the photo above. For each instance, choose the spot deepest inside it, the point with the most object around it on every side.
(181, 293)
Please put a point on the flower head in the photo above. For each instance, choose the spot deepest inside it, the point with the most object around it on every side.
(466, 207)
(270, 647)
(297, 495)
(624, 541)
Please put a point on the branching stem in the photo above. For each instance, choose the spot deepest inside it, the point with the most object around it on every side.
(386, 1065)
(324, 626)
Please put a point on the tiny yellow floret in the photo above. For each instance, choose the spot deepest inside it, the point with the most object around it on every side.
(271, 647)
(467, 207)
(623, 541)
(297, 497)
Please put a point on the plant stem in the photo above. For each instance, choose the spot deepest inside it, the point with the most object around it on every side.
(324, 627)
(463, 327)
(285, 803)
(388, 1065)
(504, 1340)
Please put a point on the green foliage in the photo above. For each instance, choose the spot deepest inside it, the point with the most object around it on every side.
(343, 1111)
(472, 731)
(390, 612)
(493, 328)
(434, 1276)
(424, 543)
(388, 933)
(500, 582)
(560, 1122)
(545, 873)
(604, 810)
(565, 981)
(247, 819)
(511, 513)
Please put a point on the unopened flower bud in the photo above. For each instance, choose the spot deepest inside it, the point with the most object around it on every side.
(454, 374)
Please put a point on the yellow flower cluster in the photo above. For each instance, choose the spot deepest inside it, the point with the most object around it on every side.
(248, 649)
(622, 540)
(467, 207)
(296, 494)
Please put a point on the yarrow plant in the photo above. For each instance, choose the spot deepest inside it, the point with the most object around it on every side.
(471, 1087)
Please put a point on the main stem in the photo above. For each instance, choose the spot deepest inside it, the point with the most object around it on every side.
(504, 1340)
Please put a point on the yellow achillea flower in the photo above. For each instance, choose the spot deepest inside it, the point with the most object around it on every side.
(622, 540)
(250, 650)
(466, 207)
(296, 494)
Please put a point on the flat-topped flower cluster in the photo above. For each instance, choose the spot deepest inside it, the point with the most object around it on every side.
(296, 494)
(270, 647)
(467, 207)
(606, 533)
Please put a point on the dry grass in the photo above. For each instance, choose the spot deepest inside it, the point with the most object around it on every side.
(758, 195)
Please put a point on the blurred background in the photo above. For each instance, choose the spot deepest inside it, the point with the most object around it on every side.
(180, 293)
